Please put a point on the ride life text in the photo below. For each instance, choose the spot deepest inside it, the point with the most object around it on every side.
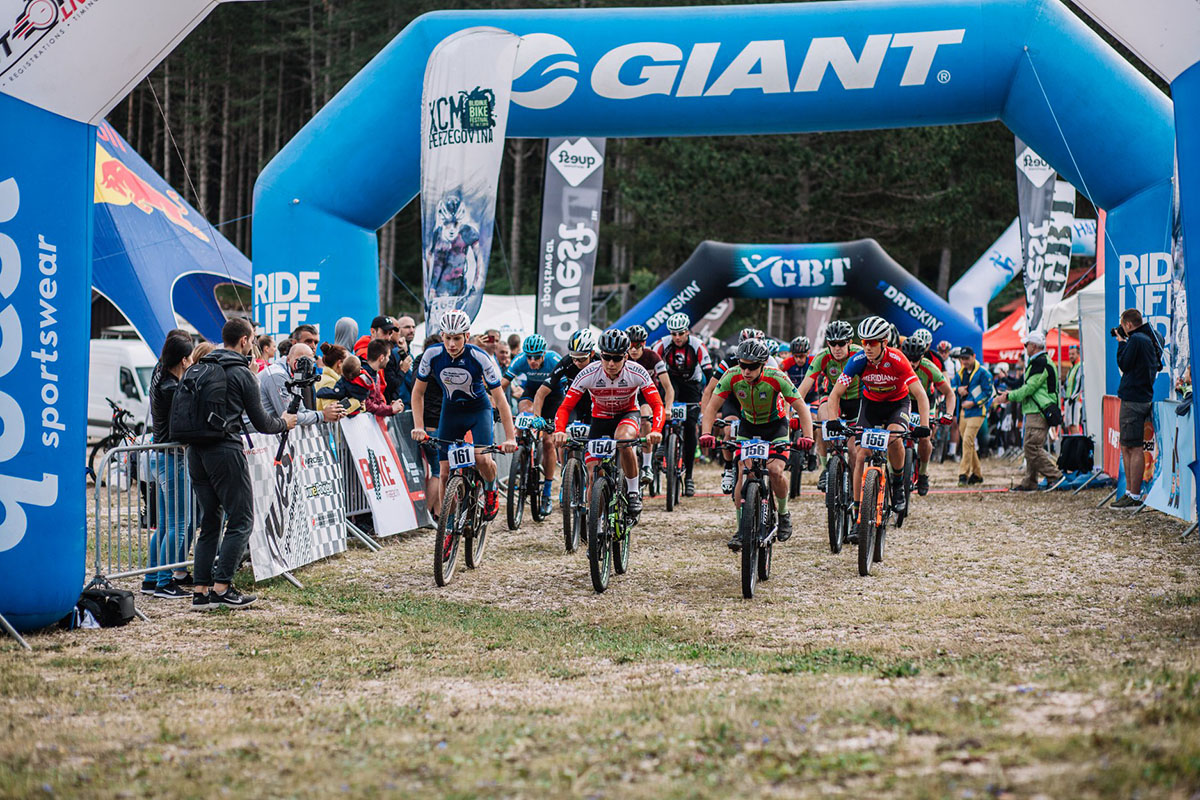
(284, 299)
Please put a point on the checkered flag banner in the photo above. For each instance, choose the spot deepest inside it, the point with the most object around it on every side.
(299, 512)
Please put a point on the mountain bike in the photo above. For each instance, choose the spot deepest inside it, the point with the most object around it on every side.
(526, 474)
(668, 459)
(759, 524)
(462, 518)
(839, 499)
(574, 487)
(875, 510)
(122, 433)
(608, 524)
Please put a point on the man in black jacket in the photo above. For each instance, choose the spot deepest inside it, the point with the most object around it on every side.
(221, 479)
(1139, 357)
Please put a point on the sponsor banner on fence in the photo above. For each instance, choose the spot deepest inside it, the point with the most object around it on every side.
(1174, 489)
(299, 514)
(380, 472)
(400, 427)
(464, 116)
(1111, 411)
(571, 197)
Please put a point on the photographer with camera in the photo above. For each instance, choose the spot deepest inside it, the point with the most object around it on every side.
(281, 384)
(1139, 357)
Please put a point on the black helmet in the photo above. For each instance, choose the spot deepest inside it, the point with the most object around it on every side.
(637, 333)
(614, 340)
(754, 351)
(801, 345)
(838, 331)
(913, 348)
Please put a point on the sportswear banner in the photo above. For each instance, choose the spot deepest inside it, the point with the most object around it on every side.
(381, 474)
(571, 197)
(464, 103)
(820, 311)
(299, 513)
(1111, 411)
(707, 326)
(1047, 210)
(400, 428)
(1174, 488)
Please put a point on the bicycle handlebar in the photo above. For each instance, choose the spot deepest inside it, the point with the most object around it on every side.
(911, 435)
(483, 448)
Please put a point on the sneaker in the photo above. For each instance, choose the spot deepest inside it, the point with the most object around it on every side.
(230, 598)
(1054, 484)
(186, 581)
(647, 476)
(1126, 501)
(974, 479)
(922, 485)
(728, 479)
(635, 504)
(823, 480)
(810, 464)
(962, 480)
(689, 488)
(172, 591)
(149, 587)
(785, 527)
(1022, 487)
(899, 501)
(735, 542)
(491, 504)
(200, 602)
(546, 506)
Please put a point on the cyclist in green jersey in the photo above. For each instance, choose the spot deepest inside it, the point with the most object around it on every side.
(931, 379)
(758, 390)
(823, 373)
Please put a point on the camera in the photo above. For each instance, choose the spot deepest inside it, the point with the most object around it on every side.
(304, 373)
(1117, 333)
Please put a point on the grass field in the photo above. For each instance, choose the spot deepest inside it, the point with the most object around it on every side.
(1010, 646)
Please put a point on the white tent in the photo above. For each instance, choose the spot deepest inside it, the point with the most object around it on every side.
(1085, 310)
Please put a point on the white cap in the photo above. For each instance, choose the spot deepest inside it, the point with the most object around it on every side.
(1034, 337)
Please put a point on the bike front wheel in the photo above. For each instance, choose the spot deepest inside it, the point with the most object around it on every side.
(749, 529)
(835, 513)
(449, 531)
(514, 502)
(573, 509)
(620, 547)
(534, 484)
(600, 535)
(672, 457)
(868, 513)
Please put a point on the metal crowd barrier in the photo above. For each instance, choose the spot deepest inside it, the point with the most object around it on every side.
(353, 496)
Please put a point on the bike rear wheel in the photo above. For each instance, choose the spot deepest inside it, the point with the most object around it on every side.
(600, 535)
(749, 529)
(796, 467)
(620, 548)
(573, 509)
(906, 480)
(96, 456)
(867, 514)
(672, 473)
(475, 536)
(835, 513)
(535, 483)
(449, 531)
(514, 502)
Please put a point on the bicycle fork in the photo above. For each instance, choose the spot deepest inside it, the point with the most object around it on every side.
(883, 488)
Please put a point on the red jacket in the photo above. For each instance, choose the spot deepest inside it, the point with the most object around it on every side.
(375, 402)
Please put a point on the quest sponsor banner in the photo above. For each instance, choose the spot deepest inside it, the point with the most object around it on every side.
(299, 507)
(381, 473)
(45, 301)
(1047, 217)
(464, 116)
(571, 198)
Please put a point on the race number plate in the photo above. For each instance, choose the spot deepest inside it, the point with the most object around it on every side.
(914, 418)
(875, 439)
(525, 421)
(755, 449)
(679, 412)
(461, 455)
(577, 430)
(602, 448)
(830, 437)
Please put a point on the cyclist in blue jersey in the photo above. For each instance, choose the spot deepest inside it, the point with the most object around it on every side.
(534, 367)
(470, 382)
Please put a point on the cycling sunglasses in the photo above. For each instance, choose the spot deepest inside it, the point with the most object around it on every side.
(612, 357)
(872, 341)
(833, 343)
(749, 367)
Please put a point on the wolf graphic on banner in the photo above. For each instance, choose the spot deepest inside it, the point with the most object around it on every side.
(468, 81)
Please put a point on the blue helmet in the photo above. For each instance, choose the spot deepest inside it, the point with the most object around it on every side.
(534, 345)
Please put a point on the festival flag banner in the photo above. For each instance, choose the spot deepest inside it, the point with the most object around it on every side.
(380, 472)
(571, 197)
(299, 512)
(1173, 491)
(464, 102)
(1047, 216)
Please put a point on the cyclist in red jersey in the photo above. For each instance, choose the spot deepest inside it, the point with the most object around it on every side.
(888, 385)
(613, 384)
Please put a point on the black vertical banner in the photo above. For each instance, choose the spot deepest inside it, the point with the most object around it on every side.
(571, 199)
(1035, 198)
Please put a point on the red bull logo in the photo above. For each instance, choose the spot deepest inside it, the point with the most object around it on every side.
(118, 185)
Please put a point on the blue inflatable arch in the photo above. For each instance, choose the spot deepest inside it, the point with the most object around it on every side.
(860, 269)
(723, 70)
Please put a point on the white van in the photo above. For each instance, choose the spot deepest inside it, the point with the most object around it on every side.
(119, 369)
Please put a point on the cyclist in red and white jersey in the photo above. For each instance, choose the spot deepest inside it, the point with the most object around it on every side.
(888, 385)
(689, 366)
(613, 384)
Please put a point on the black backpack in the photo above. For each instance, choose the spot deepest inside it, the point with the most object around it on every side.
(198, 412)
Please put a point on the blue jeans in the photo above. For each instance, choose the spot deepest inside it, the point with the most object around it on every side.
(169, 544)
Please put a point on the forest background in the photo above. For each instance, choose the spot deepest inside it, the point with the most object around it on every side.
(253, 74)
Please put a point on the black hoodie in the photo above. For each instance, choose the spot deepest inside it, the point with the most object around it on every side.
(1139, 358)
(242, 394)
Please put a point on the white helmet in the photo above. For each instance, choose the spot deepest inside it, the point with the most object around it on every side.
(582, 342)
(923, 336)
(874, 329)
(455, 321)
(678, 322)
